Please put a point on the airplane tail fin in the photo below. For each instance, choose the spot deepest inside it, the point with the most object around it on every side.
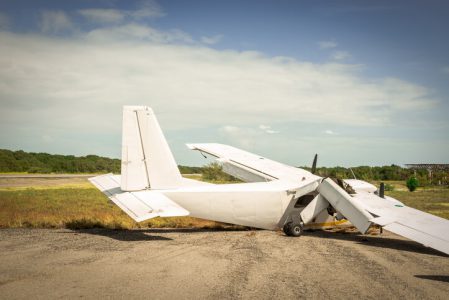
(147, 162)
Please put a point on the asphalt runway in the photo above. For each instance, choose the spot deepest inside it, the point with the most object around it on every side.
(198, 264)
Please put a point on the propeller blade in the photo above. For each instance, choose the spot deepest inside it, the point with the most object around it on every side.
(314, 164)
(382, 190)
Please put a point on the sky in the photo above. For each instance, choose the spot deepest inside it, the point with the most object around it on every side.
(358, 82)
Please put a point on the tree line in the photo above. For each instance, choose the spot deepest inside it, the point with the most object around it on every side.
(29, 162)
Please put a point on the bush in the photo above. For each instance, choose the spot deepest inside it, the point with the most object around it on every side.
(214, 172)
(412, 183)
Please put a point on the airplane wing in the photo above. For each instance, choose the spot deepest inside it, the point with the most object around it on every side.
(364, 208)
(427, 229)
(250, 167)
(140, 205)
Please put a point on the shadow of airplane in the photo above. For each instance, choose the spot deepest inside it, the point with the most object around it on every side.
(443, 278)
(377, 241)
(372, 241)
(194, 230)
(132, 235)
(123, 234)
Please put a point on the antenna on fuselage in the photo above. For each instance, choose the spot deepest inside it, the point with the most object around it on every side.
(353, 175)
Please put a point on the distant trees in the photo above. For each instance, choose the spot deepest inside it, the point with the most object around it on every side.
(190, 170)
(385, 173)
(20, 161)
(392, 172)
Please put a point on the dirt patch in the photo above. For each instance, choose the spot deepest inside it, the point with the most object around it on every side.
(192, 264)
(25, 182)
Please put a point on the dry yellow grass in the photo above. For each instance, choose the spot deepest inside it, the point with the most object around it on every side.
(80, 207)
(74, 203)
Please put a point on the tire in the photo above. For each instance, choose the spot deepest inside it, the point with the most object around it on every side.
(295, 229)
(286, 229)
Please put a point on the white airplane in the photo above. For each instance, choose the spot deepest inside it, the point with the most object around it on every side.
(273, 196)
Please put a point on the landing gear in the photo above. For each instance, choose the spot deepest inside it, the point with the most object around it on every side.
(293, 229)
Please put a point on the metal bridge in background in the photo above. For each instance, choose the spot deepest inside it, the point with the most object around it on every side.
(431, 168)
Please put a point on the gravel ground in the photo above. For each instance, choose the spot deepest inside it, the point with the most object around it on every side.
(192, 264)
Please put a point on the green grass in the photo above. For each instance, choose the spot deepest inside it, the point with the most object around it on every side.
(434, 200)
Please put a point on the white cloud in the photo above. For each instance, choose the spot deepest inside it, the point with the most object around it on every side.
(341, 55)
(239, 136)
(327, 44)
(270, 131)
(98, 15)
(330, 132)
(267, 129)
(230, 129)
(55, 21)
(212, 39)
(79, 85)
(197, 85)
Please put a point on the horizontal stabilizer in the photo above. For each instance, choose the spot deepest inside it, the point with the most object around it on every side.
(141, 205)
(109, 184)
(146, 205)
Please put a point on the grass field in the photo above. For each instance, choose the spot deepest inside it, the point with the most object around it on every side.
(434, 200)
(76, 204)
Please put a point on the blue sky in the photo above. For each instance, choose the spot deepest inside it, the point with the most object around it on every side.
(360, 83)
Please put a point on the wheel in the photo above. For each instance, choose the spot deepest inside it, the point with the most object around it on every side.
(295, 229)
(286, 229)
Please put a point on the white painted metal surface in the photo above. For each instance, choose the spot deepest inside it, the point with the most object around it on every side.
(425, 238)
(244, 173)
(360, 185)
(414, 224)
(254, 163)
(345, 204)
(315, 207)
(147, 161)
(150, 186)
(141, 205)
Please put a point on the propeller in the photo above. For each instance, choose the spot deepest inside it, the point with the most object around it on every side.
(313, 171)
(382, 190)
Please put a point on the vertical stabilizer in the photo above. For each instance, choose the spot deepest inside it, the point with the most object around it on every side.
(147, 162)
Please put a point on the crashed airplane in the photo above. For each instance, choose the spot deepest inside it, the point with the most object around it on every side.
(273, 195)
